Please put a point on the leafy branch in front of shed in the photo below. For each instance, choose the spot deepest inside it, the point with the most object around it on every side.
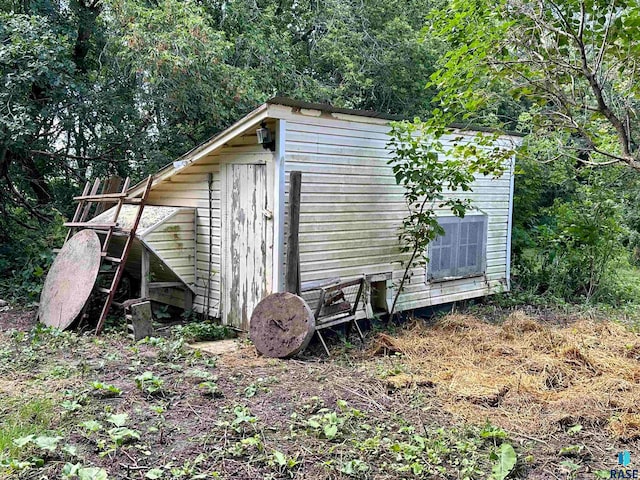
(429, 170)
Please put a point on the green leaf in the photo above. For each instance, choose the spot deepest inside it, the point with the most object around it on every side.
(122, 435)
(70, 405)
(330, 431)
(22, 441)
(92, 425)
(70, 470)
(279, 457)
(92, 473)
(154, 473)
(119, 420)
(70, 450)
(575, 429)
(47, 443)
(313, 424)
(602, 474)
(505, 461)
(571, 450)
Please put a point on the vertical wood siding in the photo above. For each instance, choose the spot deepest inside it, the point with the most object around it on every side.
(189, 188)
(352, 209)
(245, 240)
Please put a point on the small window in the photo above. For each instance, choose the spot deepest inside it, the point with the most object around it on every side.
(461, 251)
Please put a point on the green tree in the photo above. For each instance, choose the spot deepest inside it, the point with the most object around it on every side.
(574, 63)
(100, 87)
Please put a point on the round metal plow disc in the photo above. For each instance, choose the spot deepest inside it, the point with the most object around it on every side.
(282, 325)
(70, 280)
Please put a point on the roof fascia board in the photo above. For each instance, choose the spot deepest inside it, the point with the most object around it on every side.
(287, 112)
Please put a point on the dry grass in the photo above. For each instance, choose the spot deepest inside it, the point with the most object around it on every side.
(526, 376)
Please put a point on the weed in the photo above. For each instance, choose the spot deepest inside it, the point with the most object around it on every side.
(243, 419)
(71, 405)
(504, 460)
(80, 472)
(162, 312)
(331, 424)
(354, 468)
(202, 331)
(149, 383)
(211, 389)
(283, 463)
(91, 426)
(105, 389)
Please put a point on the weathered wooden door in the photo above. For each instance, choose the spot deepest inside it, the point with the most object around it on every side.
(246, 228)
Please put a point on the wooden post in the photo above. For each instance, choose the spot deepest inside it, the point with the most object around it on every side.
(292, 280)
(141, 320)
(144, 273)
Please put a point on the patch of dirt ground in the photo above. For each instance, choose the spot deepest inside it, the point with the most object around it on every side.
(431, 401)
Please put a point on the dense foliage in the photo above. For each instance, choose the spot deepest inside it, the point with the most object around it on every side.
(125, 86)
(562, 72)
(98, 87)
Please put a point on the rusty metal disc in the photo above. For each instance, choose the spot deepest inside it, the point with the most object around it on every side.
(70, 280)
(282, 325)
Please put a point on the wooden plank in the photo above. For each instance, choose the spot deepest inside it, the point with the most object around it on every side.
(292, 275)
(153, 285)
(141, 320)
(102, 197)
(317, 284)
(144, 273)
(111, 185)
(89, 225)
(87, 205)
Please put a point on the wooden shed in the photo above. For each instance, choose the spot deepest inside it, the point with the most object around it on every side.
(350, 213)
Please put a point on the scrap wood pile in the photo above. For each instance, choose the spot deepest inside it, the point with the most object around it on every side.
(526, 376)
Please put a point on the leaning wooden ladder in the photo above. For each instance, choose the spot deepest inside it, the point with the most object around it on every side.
(109, 230)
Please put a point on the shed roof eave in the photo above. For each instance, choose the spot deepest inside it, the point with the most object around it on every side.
(328, 108)
(245, 123)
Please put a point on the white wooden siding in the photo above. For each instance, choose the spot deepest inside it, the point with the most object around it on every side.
(189, 188)
(352, 209)
(174, 242)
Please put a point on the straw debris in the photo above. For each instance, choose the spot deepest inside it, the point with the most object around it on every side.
(525, 375)
(402, 380)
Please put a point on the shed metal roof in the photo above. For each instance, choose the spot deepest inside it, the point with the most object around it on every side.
(327, 107)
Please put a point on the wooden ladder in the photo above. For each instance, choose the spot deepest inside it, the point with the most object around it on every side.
(110, 229)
